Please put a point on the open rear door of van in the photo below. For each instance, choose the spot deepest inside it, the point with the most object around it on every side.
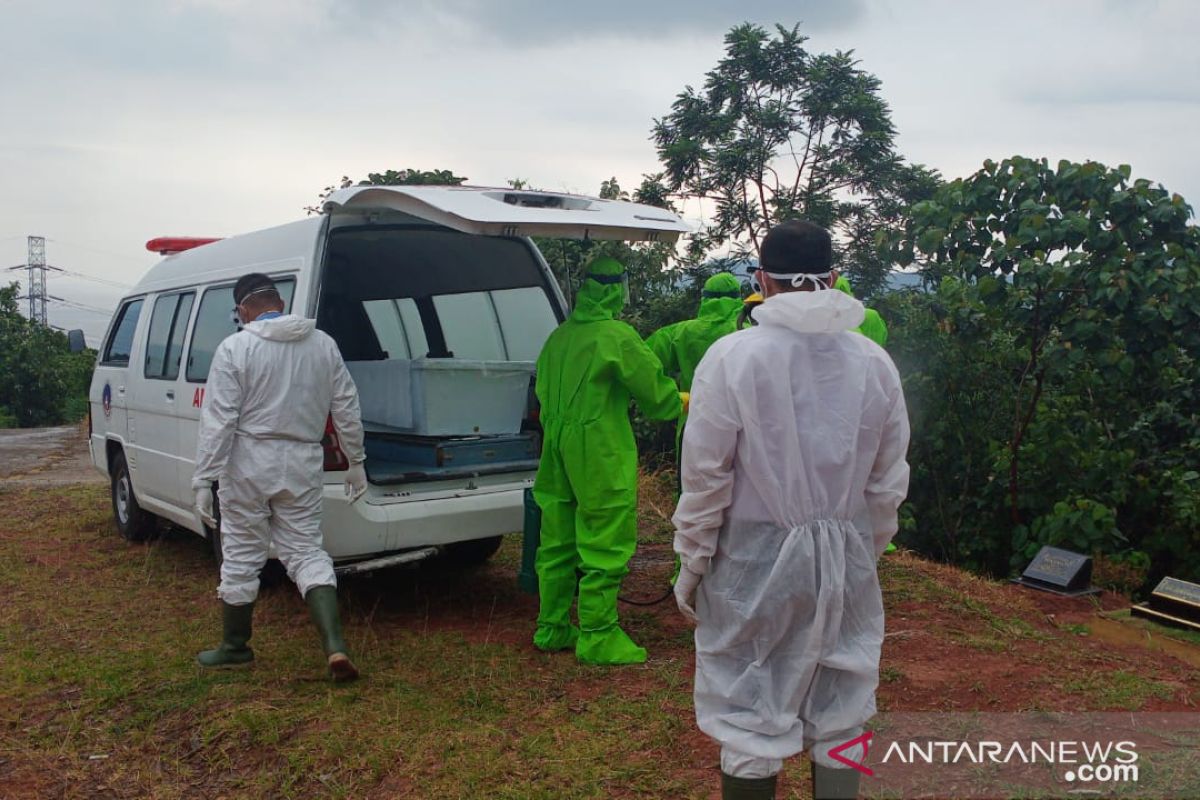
(514, 212)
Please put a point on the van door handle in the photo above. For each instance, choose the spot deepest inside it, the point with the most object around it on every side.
(120, 390)
(170, 394)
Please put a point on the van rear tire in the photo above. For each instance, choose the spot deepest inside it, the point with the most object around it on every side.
(474, 552)
(133, 522)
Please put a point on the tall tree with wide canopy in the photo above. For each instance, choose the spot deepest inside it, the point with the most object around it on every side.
(778, 132)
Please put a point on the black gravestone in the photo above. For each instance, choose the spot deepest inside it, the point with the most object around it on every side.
(1059, 571)
(1173, 602)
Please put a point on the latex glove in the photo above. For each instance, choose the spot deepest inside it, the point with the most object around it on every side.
(685, 593)
(204, 507)
(686, 399)
(356, 481)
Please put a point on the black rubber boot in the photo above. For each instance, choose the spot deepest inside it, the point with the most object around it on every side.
(834, 784)
(233, 650)
(322, 604)
(747, 788)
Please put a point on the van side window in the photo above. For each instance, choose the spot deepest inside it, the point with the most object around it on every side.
(164, 344)
(214, 321)
(398, 327)
(120, 341)
(526, 319)
(470, 325)
(503, 325)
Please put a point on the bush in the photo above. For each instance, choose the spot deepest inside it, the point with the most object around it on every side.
(1051, 372)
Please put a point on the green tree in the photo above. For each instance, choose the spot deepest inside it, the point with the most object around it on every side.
(42, 377)
(1070, 297)
(778, 132)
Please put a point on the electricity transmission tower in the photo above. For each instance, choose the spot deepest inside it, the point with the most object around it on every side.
(35, 291)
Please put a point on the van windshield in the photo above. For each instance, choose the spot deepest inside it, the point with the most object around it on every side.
(404, 293)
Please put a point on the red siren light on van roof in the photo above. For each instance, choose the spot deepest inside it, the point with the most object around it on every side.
(169, 245)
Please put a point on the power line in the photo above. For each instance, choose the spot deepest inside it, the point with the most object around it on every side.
(81, 306)
(105, 281)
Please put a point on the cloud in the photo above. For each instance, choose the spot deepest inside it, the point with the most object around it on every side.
(538, 23)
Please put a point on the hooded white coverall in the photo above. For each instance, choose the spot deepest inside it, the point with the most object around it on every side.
(793, 470)
(270, 389)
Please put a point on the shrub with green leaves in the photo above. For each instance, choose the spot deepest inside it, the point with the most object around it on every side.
(1052, 364)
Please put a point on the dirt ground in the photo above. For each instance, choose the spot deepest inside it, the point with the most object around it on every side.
(99, 698)
(47, 456)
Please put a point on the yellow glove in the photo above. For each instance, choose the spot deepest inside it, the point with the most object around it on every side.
(685, 398)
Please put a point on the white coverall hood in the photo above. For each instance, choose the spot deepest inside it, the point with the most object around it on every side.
(822, 311)
(288, 328)
(793, 470)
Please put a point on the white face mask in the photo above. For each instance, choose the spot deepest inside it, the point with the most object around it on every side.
(819, 281)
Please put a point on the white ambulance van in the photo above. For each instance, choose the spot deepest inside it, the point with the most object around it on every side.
(440, 304)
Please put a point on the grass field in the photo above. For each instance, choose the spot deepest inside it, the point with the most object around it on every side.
(99, 695)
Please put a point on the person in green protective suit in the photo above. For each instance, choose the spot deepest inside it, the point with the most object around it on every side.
(586, 484)
(873, 326)
(681, 346)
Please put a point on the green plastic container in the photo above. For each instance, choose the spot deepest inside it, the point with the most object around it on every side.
(532, 537)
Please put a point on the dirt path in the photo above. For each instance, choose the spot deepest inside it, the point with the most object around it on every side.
(46, 456)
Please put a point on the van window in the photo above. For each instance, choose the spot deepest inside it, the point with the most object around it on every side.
(526, 319)
(470, 325)
(120, 341)
(470, 297)
(164, 343)
(398, 328)
(214, 321)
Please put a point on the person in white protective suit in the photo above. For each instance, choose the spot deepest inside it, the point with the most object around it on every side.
(270, 390)
(793, 471)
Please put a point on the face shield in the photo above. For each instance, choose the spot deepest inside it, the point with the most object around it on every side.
(610, 280)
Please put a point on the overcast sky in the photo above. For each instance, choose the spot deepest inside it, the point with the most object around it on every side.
(139, 118)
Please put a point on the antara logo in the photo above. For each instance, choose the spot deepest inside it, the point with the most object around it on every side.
(198, 397)
(865, 740)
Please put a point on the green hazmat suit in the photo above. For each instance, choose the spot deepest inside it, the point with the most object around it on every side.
(586, 483)
(681, 346)
(873, 326)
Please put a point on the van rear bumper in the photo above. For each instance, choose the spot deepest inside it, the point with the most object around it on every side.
(375, 526)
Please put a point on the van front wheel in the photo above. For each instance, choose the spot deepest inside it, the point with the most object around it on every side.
(135, 524)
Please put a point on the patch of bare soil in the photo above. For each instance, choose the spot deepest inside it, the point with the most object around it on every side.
(47, 456)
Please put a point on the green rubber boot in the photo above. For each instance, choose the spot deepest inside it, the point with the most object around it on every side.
(233, 650)
(747, 788)
(834, 784)
(322, 605)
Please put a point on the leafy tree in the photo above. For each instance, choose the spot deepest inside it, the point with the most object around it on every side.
(778, 132)
(42, 377)
(392, 177)
(1054, 367)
